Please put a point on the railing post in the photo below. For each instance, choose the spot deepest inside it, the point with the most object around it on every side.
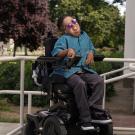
(104, 97)
(29, 102)
(22, 68)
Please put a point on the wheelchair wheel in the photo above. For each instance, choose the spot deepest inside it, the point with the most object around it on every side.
(30, 129)
(106, 129)
(52, 126)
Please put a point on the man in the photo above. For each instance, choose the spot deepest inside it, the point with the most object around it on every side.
(76, 42)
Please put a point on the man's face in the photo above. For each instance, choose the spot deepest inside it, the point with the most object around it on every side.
(71, 26)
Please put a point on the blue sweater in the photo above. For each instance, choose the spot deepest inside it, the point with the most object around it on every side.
(82, 46)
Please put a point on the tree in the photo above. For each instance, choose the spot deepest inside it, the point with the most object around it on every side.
(99, 19)
(26, 21)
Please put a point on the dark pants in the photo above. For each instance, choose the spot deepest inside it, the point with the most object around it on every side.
(80, 90)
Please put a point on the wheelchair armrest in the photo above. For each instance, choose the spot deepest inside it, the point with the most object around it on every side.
(48, 59)
(98, 57)
(76, 59)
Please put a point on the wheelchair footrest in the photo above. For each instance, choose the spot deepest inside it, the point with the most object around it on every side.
(102, 121)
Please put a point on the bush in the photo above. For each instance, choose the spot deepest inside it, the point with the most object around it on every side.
(10, 77)
(103, 67)
(4, 106)
(115, 54)
(10, 80)
(110, 91)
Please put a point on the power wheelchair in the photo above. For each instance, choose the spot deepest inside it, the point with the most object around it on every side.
(61, 118)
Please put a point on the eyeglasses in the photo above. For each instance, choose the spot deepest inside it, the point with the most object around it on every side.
(70, 25)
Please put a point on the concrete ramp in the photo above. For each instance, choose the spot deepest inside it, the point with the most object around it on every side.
(5, 128)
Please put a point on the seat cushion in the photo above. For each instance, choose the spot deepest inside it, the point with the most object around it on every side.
(63, 91)
(59, 83)
(55, 78)
(62, 88)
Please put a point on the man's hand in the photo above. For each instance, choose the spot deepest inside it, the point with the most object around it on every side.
(90, 58)
(71, 53)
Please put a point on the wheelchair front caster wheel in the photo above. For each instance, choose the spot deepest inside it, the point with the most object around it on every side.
(53, 126)
(30, 129)
(106, 129)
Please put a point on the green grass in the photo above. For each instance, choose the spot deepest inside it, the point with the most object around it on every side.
(6, 112)
(4, 106)
(9, 119)
(11, 113)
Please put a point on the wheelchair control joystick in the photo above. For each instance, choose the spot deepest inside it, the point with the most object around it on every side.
(73, 61)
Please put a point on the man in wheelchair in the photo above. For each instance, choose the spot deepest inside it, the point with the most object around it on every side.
(81, 78)
(78, 80)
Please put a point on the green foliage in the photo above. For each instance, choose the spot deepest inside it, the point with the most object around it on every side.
(40, 101)
(9, 119)
(103, 67)
(28, 79)
(99, 19)
(9, 75)
(10, 80)
(26, 21)
(117, 54)
(110, 91)
(4, 106)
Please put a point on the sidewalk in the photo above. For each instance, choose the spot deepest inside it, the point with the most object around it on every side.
(127, 121)
(121, 106)
(7, 127)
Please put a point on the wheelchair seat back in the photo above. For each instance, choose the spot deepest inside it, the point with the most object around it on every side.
(43, 67)
(49, 45)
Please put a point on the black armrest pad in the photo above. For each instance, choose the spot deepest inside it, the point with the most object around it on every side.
(48, 59)
(98, 57)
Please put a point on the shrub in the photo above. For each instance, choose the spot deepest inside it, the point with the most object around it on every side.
(103, 67)
(10, 77)
(10, 80)
(4, 106)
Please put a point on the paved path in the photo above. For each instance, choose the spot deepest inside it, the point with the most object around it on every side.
(124, 120)
(118, 121)
(120, 108)
(7, 127)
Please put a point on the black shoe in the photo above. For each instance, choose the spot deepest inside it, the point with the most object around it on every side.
(87, 126)
(100, 116)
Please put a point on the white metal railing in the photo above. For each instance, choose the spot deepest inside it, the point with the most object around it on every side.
(131, 68)
(104, 77)
(22, 60)
(29, 93)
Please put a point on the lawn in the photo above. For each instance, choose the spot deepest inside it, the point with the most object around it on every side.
(11, 113)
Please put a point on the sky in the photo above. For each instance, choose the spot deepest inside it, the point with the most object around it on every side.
(122, 8)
